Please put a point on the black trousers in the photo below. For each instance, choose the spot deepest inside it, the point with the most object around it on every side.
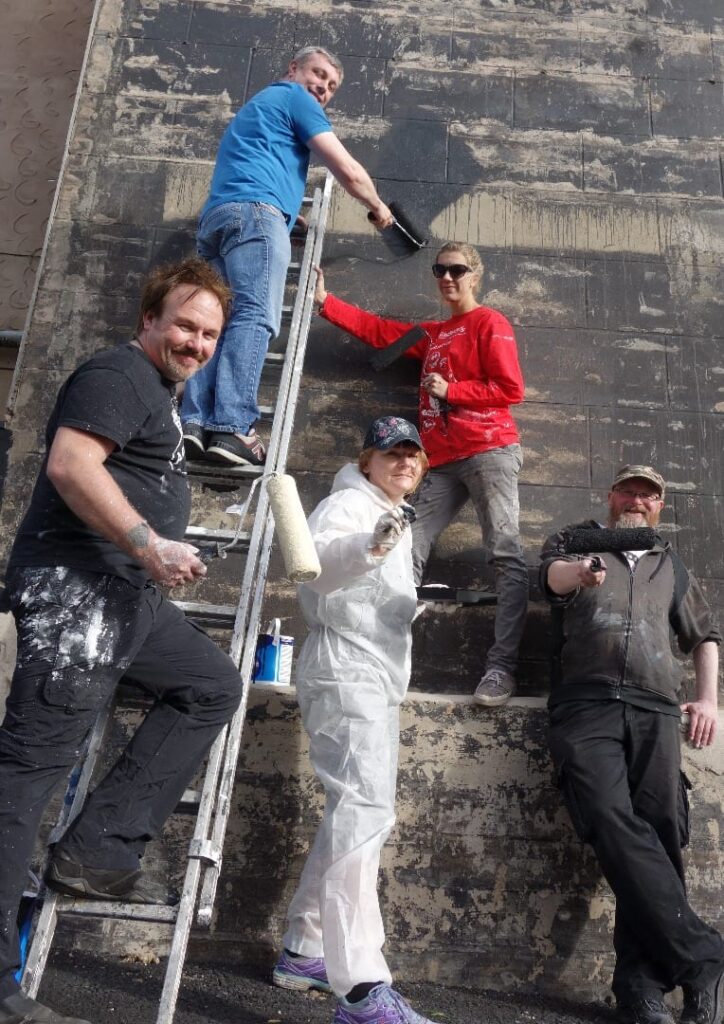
(619, 768)
(78, 634)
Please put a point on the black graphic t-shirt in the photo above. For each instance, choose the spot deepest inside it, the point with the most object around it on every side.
(119, 395)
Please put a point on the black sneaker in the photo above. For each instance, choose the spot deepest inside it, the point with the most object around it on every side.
(195, 439)
(645, 1011)
(21, 1009)
(704, 1005)
(66, 876)
(236, 449)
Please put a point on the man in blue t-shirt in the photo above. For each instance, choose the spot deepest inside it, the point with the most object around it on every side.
(255, 196)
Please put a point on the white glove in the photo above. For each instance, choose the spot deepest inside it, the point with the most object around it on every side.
(388, 529)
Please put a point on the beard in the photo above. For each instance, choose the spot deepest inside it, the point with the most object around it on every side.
(634, 520)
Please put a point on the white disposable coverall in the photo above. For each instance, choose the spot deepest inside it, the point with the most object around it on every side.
(352, 674)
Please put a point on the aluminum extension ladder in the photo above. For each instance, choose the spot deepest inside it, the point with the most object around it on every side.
(214, 801)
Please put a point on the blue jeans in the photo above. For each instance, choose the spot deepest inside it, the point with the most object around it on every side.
(490, 480)
(248, 243)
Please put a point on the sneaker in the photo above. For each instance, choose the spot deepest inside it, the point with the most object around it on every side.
(195, 438)
(301, 973)
(236, 449)
(644, 1011)
(21, 1009)
(382, 1006)
(494, 688)
(704, 1005)
(67, 876)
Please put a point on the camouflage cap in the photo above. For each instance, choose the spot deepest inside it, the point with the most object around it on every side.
(640, 473)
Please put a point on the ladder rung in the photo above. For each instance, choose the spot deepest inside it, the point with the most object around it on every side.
(449, 595)
(190, 800)
(111, 908)
(217, 614)
(201, 534)
(274, 358)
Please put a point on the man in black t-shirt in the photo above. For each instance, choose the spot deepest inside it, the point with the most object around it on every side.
(103, 531)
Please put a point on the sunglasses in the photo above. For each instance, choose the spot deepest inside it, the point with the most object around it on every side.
(455, 270)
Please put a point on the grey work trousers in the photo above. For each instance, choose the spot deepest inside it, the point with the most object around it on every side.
(490, 480)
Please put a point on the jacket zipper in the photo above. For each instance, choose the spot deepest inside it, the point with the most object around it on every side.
(627, 639)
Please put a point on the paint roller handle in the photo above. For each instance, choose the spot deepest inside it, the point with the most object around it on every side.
(382, 217)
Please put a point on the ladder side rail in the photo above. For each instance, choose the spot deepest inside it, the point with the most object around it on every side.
(304, 314)
(72, 803)
(300, 326)
(279, 426)
(223, 806)
(187, 903)
(243, 649)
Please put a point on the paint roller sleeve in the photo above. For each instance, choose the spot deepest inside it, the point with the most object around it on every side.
(295, 540)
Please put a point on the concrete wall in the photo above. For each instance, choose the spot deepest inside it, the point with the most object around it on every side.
(578, 144)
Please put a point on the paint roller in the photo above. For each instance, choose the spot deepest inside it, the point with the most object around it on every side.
(300, 556)
(295, 541)
(410, 234)
(583, 540)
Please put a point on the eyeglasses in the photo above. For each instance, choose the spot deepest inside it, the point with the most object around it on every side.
(641, 495)
(455, 270)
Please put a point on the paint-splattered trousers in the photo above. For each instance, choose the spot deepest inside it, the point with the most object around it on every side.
(619, 769)
(78, 634)
(490, 480)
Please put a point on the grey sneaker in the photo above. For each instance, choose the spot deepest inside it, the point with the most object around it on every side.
(494, 688)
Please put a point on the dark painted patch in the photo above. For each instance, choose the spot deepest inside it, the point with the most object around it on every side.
(184, 70)
(448, 95)
(696, 373)
(367, 34)
(608, 106)
(362, 90)
(240, 26)
(648, 53)
(686, 447)
(502, 38)
(407, 150)
(704, 13)
(688, 110)
(523, 158)
(689, 169)
(595, 367)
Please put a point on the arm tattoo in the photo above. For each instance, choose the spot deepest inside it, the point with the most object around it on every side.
(138, 535)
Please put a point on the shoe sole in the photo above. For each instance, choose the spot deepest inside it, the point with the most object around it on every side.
(298, 984)
(215, 454)
(193, 447)
(80, 888)
(491, 702)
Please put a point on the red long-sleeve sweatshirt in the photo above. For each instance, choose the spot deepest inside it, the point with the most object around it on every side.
(476, 353)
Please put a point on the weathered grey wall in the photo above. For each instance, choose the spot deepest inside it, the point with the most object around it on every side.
(578, 144)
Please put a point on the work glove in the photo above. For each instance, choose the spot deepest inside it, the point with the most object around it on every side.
(388, 529)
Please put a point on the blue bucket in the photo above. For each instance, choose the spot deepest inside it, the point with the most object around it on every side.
(274, 652)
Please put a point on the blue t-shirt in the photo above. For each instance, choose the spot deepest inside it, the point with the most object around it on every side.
(263, 156)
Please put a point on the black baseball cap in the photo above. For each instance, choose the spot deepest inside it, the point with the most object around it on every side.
(388, 431)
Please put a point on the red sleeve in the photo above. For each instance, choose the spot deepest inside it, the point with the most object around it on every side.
(500, 380)
(372, 330)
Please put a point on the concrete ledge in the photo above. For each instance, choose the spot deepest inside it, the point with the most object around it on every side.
(483, 882)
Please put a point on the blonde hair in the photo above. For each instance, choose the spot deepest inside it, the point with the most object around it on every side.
(472, 257)
(423, 463)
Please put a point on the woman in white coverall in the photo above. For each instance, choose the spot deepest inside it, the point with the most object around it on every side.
(352, 675)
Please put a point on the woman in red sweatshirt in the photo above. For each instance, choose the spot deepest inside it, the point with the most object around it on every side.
(470, 378)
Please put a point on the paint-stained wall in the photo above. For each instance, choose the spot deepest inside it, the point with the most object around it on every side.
(578, 144)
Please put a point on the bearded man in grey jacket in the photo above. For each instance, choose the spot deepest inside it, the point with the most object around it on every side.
(615, 726)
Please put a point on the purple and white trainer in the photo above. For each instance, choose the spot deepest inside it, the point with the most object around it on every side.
(301, 973)
(382, 1006)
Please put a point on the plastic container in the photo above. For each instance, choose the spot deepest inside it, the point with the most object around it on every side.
(274, 652)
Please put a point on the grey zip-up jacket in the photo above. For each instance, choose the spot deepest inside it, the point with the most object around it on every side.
(617, 637)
